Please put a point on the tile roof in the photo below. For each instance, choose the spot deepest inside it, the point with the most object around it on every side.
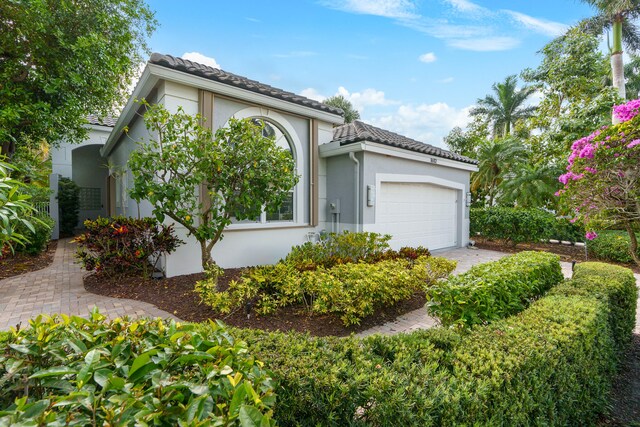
(230, 79)
(108, 121)
(358, 131)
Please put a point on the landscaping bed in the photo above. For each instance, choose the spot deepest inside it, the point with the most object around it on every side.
(176, 295)
(21, 263)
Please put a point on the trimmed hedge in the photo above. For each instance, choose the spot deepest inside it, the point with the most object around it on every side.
(552, 364)
(520, 225)
(494, 290)
(614, 285)
(74, 371)
(612, 245)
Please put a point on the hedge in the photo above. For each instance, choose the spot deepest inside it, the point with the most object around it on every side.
(520, 225)
(74, 371)
(612, 245)
(614, 285)
(494, 290)
(552, 364)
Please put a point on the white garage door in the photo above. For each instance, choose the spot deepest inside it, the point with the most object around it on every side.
(417, 214)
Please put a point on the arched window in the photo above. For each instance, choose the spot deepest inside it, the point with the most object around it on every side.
(286, 212)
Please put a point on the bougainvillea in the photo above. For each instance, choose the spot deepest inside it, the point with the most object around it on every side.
(602, 182)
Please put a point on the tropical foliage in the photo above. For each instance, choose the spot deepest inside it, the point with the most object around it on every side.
(602, 183)
(506, 107)
(62, 61)
(202, 181)
(339, 101)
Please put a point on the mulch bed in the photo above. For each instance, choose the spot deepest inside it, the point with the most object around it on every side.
(15, 265)
(176, 295)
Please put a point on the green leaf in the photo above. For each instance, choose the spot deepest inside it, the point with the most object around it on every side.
(36, 409)
(250, 416)
(141, 361)
(54, 372)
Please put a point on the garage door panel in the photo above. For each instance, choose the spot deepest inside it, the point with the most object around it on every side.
(417, 214)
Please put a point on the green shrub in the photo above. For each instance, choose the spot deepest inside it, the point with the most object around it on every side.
(353, 290)
(612, 245)
(42, 223)
(68, 206)
(616, 286)
(494, 290)
(519, 225)
(338, 249)
(122, 245)
(73, 371)
(38, 241)
(552, 364)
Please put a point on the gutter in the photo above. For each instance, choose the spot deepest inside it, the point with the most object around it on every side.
(356, 176)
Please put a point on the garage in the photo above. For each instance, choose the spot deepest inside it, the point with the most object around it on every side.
(418, 214)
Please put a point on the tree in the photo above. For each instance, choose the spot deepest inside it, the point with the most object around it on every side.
(602, 183)
(339, 101)
(531, 185)
(572, 79)
(60, 60)
(617, 16)
(507, 107)
(467, 142)
(495, 159)
(240, 171)
(632, 75)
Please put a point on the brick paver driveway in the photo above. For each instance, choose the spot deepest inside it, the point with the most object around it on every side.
(59, 289)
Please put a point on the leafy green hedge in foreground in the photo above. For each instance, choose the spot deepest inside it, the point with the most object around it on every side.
(552, 364)
(494, 290)
(74, 371)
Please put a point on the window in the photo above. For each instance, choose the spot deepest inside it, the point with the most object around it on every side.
(286, 212)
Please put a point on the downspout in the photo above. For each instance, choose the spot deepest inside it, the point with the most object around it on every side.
(356, 176)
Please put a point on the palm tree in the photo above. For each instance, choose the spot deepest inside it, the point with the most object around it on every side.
(617, 16)
(531, 185)
(504, 109)
(339, 101)
(495, 160)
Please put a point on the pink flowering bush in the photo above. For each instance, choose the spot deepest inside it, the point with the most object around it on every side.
(602, 182)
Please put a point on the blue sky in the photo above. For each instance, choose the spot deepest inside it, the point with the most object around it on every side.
(410, 66)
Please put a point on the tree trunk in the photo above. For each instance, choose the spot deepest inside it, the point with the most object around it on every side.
(617, 66)
(633, 246)
(211, 269)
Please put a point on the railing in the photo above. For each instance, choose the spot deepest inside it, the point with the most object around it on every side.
(42, 208)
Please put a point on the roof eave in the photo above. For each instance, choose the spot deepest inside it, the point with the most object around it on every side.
(337, 148)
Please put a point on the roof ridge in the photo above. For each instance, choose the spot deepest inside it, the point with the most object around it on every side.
(236, 80)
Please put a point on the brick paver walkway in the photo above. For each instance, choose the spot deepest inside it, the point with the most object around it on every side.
(59, 289)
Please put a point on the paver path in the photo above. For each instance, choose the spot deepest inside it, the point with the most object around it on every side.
(418, 319)
(59, 289)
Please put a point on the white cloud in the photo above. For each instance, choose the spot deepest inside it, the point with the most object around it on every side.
(250, 19)
(486, 44)
(366, 98)
(465, 6)
(201, 59)
(446, 80)
(312, 93)
(428, 123)
(543, 26)
(428, 57)
(401, 9)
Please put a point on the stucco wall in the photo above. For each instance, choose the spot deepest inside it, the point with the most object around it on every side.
(341, 187)
(61, 156)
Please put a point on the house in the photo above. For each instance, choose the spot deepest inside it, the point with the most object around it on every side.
(352, 176)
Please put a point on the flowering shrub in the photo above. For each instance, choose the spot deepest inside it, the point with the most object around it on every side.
(602, 182)
(123, 245)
